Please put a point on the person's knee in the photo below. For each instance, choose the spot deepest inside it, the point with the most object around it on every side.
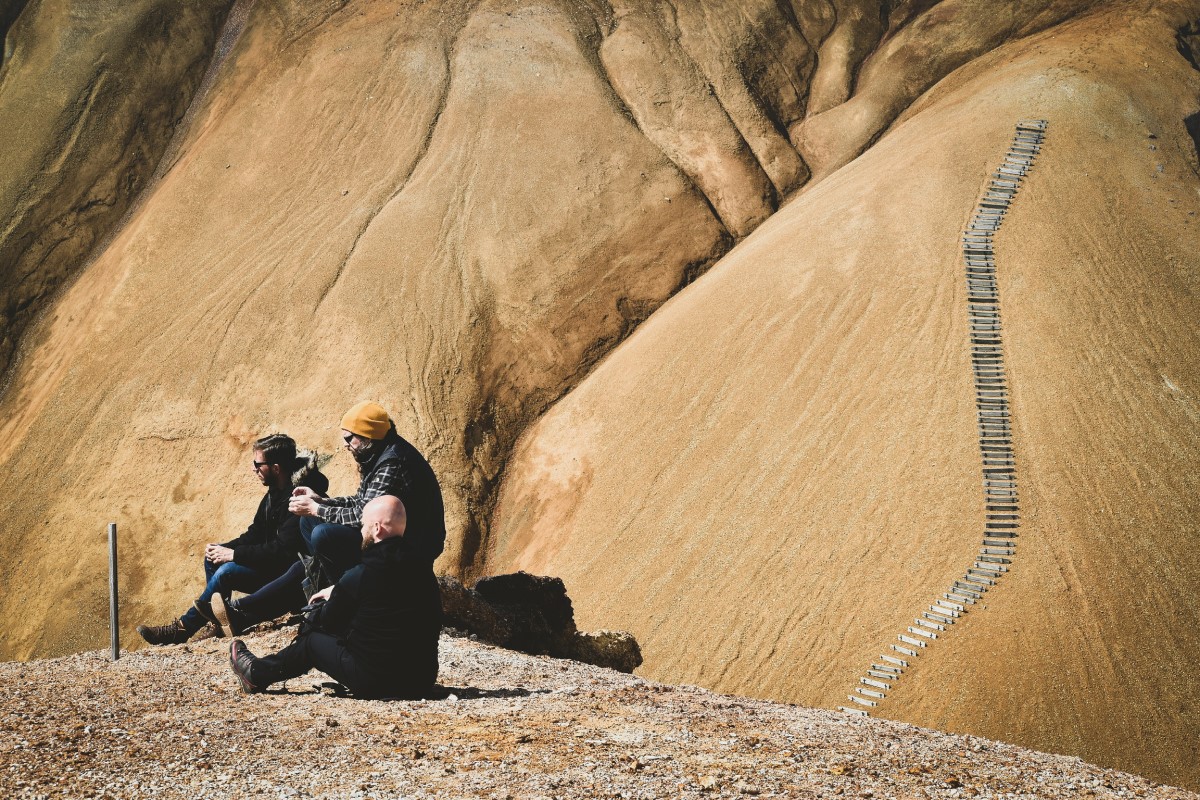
(326, 537)
(318, 538)
(224, 575)
(307, 524)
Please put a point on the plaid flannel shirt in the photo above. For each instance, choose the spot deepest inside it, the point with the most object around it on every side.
(348, 510)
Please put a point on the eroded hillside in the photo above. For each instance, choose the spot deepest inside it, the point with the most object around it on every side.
(90, 94)
(460, 209)
(779, 472)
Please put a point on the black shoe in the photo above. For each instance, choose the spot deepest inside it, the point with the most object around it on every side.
(174, 633)
(241, 660)
(231, 621)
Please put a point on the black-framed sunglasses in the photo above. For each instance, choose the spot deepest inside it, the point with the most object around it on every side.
(261, 464)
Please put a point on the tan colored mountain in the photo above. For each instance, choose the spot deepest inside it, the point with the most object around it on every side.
(89, 96)
(779, 471)
(472, 213)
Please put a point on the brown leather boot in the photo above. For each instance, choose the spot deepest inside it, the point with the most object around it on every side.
(230, 621)
(173, 633)
(210, 631)
(242, 661)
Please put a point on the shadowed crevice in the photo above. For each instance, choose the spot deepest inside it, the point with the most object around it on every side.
(93, 155)
(9, 11)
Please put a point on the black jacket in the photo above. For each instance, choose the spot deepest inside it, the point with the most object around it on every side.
(417, 487)
(397, 469)
(273, 541)
(388, 613)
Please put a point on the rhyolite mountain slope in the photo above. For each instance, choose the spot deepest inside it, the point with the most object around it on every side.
(89, 96)
(460, 209)
(779, 470)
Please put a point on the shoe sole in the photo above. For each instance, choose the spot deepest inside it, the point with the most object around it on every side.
(247, 686)
(222, 614)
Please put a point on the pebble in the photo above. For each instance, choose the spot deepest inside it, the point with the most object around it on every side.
(512, 725)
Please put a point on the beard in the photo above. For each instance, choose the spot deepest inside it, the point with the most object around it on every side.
(366, 454)
(367, 543)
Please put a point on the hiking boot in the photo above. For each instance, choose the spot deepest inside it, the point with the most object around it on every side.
(205, 610)
(174, 633)
(241, 660)
(231, 621)
(210, 631)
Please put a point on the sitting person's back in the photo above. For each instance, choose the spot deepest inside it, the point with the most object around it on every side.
(388, 612)
(377, 632)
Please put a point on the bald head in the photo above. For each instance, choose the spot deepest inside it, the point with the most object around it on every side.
(383, 518)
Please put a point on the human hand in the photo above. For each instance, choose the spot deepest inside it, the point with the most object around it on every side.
(218, 554)
(304, 491)
(303, 506)
(321, 595)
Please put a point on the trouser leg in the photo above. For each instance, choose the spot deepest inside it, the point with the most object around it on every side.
(314, 650)
(336, 547)
(223, 578)
(275, 599)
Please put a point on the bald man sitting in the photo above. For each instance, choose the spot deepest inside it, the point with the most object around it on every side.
(377, 632)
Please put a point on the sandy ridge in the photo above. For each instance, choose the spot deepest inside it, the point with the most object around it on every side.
(171, 723)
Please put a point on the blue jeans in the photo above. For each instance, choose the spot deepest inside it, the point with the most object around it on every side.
(337, 548)
(223, 578)
(275, 598)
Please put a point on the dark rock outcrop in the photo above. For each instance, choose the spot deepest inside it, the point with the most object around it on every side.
(533, 614)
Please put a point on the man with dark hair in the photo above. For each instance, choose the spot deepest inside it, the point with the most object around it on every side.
(377, 632)
(387, 465)
(266, 549)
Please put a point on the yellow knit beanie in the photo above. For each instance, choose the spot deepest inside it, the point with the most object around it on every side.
(367, 419)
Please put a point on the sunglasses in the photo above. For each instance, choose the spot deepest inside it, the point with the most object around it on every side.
(261, 464)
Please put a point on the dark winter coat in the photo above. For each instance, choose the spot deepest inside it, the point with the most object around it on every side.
(398, 469)
(273, 541)
(388, 612)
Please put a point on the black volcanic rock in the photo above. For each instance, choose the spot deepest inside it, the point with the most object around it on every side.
(533, 614)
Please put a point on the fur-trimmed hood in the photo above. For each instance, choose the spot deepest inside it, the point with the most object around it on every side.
(308, 471)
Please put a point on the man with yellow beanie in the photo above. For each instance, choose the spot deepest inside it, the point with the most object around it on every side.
(388, 465)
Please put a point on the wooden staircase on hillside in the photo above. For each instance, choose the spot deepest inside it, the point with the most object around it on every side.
(994, 419)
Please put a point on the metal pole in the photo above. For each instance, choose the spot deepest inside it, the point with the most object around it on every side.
(112, 591)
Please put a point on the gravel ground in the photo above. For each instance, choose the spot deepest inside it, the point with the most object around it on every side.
(171, 722)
